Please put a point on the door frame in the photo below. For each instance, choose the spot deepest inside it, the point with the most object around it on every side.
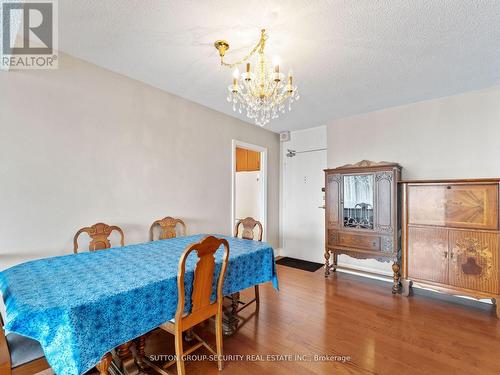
(263, 183)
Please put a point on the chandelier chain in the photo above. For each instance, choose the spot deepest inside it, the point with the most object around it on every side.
(259, 47)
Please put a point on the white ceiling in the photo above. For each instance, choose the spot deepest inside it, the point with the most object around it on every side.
(348, 57)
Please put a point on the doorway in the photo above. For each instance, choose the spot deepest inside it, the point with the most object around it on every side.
(249, 186)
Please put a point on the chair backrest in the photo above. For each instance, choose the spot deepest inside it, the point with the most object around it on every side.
(167, 228)
(248, 224)
(201, 307)
(99, 234)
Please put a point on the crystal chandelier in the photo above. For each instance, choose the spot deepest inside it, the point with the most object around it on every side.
(262, 92)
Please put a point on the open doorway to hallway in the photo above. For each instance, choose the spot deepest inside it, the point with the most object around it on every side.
(249, 187)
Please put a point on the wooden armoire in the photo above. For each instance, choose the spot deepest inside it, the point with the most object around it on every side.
(361, 215)
(451, 237)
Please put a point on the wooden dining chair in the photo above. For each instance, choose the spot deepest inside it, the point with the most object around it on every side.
(99, 234)
(202, 308)
(20, 355)
(248, 233)
(248, 225)
(168, 228)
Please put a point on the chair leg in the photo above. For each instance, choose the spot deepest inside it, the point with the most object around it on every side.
(103, 365)
(257, 298)
(218, 339)
(179, 352)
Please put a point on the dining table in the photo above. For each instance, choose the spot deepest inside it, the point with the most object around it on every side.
(80, 307)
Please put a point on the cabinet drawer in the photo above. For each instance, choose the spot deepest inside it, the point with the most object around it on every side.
(359, 241)
(471, 206)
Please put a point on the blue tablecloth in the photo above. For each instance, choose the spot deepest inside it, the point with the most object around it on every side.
(81, 306)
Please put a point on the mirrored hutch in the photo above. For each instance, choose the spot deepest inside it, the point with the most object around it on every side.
(362, 214)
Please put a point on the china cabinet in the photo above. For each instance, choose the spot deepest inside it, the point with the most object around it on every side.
(362, 214)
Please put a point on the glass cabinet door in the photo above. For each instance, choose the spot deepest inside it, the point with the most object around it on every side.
(358, 201)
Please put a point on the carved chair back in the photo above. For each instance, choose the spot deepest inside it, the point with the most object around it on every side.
(168, 228)
(249, 225)
(99, 234)
(202, 308)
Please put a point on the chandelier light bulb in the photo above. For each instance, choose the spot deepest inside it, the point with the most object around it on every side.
(235, 87)
(276, 63)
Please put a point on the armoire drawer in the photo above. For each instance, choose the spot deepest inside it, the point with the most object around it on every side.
(359, 241)
(470, 206)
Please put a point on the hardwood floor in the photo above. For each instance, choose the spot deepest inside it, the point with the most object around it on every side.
(360, 318)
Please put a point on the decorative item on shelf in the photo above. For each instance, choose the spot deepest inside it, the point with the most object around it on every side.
(264, 92)
(362, 214)
(451, 238)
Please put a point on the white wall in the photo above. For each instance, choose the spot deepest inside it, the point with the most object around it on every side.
(82, 144)
(247, 193)
(452, 137)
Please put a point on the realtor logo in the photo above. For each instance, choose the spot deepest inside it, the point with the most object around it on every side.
(29, 31)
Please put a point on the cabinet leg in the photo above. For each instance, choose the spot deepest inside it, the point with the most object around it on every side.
(406, 287)
(495, 303)
(327, 263)
(334, 265)
(396, 277)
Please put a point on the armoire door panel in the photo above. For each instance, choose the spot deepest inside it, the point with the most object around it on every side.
(472, 206)
(428, 254)
(474, 260)
(384, 195)
(333, 200)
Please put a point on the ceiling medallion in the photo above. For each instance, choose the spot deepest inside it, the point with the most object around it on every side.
(263, 92)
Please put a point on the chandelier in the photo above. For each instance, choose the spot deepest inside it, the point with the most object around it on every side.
(262, 92)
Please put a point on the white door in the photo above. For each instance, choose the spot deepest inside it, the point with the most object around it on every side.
(303, 220)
